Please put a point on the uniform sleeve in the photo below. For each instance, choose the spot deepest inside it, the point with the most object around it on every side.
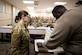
(15, 42)
(60, 35)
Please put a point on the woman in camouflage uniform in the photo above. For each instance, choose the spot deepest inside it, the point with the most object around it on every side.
(20, 35)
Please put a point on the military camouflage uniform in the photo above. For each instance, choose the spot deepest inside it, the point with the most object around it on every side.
(20, 40)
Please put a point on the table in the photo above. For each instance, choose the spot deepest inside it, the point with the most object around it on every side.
(32, 30)
(47, 36)
(55, 51)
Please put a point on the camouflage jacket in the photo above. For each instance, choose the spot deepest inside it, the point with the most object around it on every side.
(20, 40)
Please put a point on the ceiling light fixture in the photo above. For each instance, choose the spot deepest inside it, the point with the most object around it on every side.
(60, 3)
(28, 2)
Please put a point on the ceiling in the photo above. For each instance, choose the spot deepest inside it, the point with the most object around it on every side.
(42, 4)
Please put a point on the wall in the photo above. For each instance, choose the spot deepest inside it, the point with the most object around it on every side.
(1, 6)
(6, 13)
(15, 12)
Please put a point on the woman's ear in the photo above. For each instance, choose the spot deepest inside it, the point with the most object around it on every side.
(22, 16)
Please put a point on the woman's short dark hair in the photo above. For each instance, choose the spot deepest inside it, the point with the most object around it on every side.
(20, 13)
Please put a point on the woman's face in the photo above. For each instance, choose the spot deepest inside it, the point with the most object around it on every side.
(26, 18)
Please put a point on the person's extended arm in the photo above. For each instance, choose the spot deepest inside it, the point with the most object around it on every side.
(60, 35)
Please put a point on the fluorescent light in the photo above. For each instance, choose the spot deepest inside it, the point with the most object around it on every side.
(28, 2)
(60, 3)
